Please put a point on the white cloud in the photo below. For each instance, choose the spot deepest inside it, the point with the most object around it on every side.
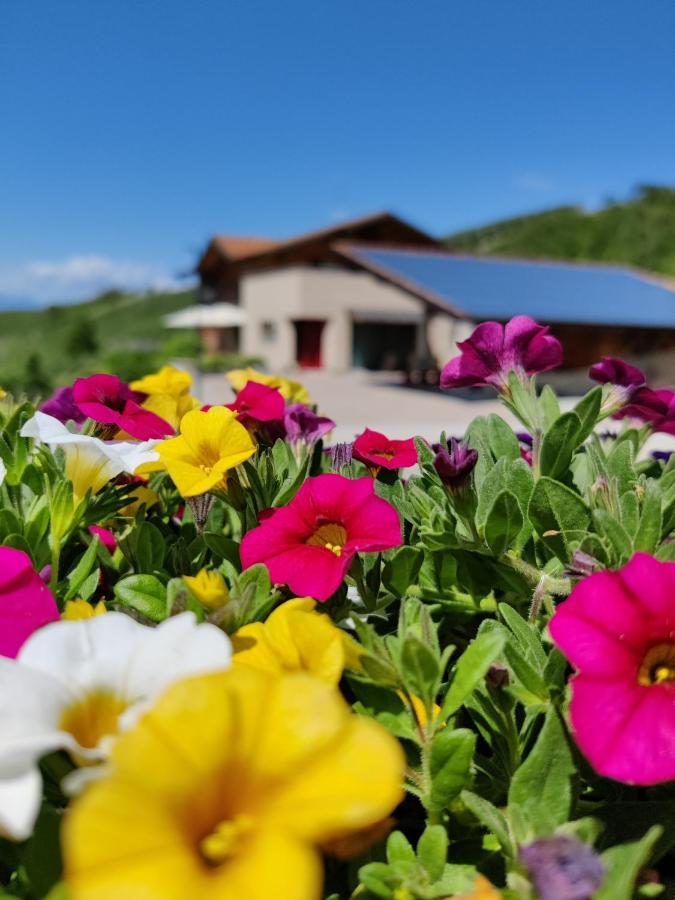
(531, 181)
(79, 277)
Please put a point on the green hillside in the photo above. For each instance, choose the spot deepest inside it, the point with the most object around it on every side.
(639, 232)
(117, 332)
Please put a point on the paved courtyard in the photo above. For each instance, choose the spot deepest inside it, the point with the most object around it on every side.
(358, 399)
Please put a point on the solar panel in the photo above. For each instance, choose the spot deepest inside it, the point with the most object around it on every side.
(484, 288)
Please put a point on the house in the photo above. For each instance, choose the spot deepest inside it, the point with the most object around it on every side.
(378, 293)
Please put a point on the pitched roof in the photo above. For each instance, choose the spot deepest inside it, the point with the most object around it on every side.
(240, 247)
(381, 227)
(483, 288)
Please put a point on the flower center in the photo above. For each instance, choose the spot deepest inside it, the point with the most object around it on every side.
(385, 454)
(93, 717)
(658, 666)
(225, 840)
(331, 536)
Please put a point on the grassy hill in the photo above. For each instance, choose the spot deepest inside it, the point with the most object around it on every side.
(639, 232)
(116, 332)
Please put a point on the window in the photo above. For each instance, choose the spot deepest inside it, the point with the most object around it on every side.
(268, 331)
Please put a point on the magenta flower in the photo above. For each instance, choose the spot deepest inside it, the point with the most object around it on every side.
(650, 406)
(108, 400)
(612, 370)
(61, 406)
(106, 537)
(618, 630)
(493, 350)
(310, 544)
(454, 463)
(303, 424)
(258, 403)
(26, 603)
(378, 451)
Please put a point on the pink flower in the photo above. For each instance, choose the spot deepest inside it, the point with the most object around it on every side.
(106, 537)
(309, 544)
(666, 421)
(618, 630)
(26, 602)
(378, 451)
(493, 350)
(108, 400)
(258, 403)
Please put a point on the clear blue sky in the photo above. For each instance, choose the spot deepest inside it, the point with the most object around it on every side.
(133, 130)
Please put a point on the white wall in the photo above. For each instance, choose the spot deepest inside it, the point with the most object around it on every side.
(336, 296)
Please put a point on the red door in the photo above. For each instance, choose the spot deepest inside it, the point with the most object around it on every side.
(308, 343)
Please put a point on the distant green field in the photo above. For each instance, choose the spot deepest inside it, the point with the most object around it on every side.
(638, 232)
(118, 332)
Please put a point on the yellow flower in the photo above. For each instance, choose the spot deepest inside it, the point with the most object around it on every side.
(3, 393)
(168, 395)
(139, 496)
(75, 610)
(209, 588)
(291, 391)
(170, 408)
(168, 380)
(294, 638)
(224, 790)
(210, 443)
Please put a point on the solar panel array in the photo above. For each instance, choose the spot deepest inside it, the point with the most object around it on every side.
(484, 288)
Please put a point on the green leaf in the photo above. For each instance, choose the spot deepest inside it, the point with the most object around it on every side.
(540, 795)
(144, 593)
(549, 405)
(489, 816)
(559, 516)
(651, 521)
(471, 668)
(623, 863)
(527, 636)
(42, 858)
(79, 574)
(504, 522)
(399, 850)
(559, 443)
(620, 466)
(501, 438)
(614, 532)
(450, 765)
(588, 410)
(420, 669)
(149, 547)
(402, 570)
(223, 547)
(492, 486)
(432, 850)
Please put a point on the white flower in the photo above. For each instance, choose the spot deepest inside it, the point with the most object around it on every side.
(125, 456)
(76, 684)
(3, 471)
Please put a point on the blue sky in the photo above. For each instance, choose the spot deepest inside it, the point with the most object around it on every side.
(133, 130)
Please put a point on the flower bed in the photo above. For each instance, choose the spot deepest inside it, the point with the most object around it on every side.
(237, 663)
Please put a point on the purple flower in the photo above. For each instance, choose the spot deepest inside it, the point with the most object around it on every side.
(612, 370)
(562, 868)
(303, 424)
(340, 456)
(525, 437)
(493, 350)
(61, 406)
(662, 455)
(454, 463)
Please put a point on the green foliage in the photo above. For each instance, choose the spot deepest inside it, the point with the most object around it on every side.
(639, 232)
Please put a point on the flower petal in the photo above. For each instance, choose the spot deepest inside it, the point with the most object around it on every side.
(20, 800)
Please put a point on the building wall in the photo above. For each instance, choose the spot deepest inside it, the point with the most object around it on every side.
(273, 300)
